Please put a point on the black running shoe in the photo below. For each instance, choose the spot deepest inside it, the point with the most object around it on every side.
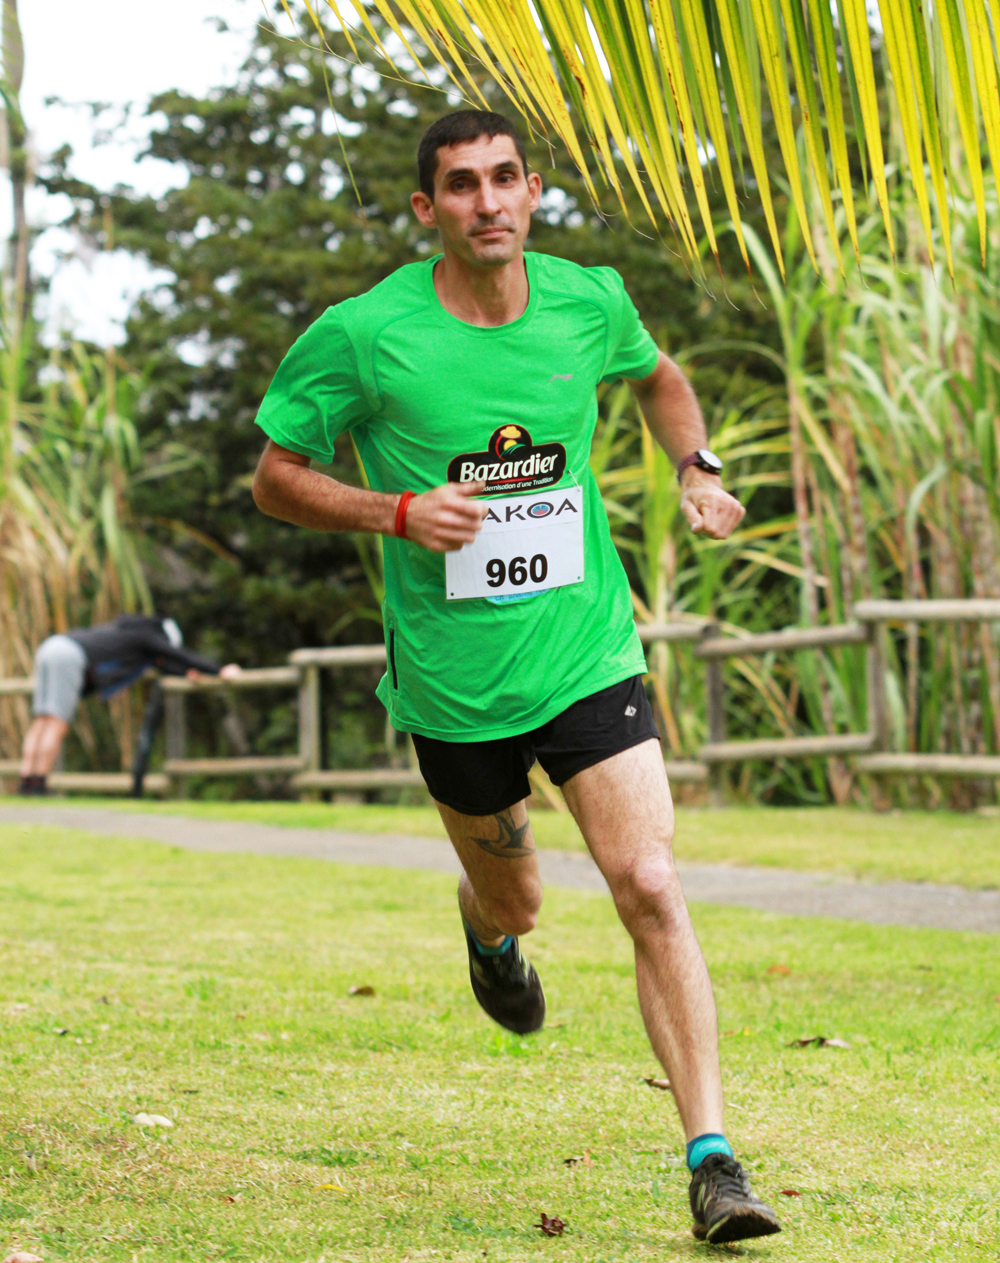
(724, 1206)
(507, 988)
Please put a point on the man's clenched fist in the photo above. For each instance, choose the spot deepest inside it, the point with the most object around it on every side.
(708, 508)
(446, 518)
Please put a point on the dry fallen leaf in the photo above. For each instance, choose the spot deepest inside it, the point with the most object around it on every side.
(584, 1160)
(790, 1192)
(662, 1084)
(551, 1227)
(227, 1198)
(779, 969)
(152, 1120)
(354, 989)
(22, 1256)
(820, 1041)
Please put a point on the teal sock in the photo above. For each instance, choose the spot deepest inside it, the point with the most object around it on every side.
(487, 951)
(699, 1148)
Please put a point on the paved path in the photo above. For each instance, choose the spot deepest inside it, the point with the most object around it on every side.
(769, 889)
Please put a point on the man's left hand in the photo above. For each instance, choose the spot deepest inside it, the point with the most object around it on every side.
(708, 508)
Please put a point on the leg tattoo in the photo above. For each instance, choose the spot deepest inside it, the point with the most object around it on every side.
(510, 844)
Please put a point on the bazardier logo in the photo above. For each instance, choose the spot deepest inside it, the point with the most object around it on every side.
(511, 462)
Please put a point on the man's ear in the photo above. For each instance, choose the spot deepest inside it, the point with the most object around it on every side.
(535, 189)
(423, 208)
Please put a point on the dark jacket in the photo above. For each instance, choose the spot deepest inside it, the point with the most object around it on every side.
(118, 653)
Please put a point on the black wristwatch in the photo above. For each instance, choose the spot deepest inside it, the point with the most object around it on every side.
(704, 459)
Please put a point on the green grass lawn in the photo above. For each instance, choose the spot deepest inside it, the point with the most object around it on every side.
(310, 1125)
(936, 846)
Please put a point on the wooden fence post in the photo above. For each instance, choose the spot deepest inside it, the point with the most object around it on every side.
(878, 703)
(175, 737)
(878, 706)
(310, 720)
(715, 706)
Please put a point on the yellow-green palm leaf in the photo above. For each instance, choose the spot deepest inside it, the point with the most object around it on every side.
(665, 89)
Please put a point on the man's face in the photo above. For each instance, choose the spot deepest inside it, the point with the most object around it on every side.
(482, 201)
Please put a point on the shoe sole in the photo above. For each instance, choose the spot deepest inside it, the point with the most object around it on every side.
(740, 1225)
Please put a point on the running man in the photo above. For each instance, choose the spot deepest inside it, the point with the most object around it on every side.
(468, 382)
(105, 659)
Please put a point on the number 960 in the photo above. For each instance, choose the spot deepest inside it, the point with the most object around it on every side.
(517, 571)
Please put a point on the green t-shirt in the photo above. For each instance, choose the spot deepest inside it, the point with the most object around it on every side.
(422, 392)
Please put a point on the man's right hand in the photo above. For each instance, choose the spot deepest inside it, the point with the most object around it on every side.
(446, 518)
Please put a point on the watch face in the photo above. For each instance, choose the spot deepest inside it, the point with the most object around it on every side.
(708, 460)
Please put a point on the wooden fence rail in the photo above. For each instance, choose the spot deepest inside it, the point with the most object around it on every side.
(868, 752)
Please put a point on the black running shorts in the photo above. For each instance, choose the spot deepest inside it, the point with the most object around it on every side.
(480, 778)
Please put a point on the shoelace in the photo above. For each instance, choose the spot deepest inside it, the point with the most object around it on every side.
(729, 1180)
(509, 967)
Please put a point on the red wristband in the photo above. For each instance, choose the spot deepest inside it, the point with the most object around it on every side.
(404, 504)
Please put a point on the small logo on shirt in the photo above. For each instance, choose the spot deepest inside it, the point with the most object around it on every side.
(511, 462)
(560, 377)
(630, 711)
(505, 441)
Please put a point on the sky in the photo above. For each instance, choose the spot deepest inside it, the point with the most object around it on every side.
(118, 52)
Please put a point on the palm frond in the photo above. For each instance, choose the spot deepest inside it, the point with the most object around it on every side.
(669, 90)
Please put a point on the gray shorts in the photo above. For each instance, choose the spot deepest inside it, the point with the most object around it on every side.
(60, 671)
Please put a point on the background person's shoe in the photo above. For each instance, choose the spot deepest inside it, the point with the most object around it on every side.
(507, 988)
(724, 1206)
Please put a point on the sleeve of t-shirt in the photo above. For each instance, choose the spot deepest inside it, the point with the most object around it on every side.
(631, 351)
(317, 392)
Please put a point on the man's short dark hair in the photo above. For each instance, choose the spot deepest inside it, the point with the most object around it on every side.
(458, 129)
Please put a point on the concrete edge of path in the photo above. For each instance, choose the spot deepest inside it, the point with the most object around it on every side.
(778, 890)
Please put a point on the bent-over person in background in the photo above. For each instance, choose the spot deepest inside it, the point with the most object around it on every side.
(103, 659)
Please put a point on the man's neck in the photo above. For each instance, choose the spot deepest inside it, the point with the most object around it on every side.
(482, 296)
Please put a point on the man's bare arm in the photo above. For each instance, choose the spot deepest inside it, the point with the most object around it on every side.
(285, 487)
(671, 410)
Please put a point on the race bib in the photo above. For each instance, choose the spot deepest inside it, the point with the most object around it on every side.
(526, 544)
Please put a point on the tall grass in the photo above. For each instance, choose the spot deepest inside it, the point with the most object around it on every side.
(886, 437)
(68, 548)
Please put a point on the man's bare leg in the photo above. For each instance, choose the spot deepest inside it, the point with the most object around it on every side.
(625, 812)
(499, 894)
(42, 744)
(500, 890)
(624, 809)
